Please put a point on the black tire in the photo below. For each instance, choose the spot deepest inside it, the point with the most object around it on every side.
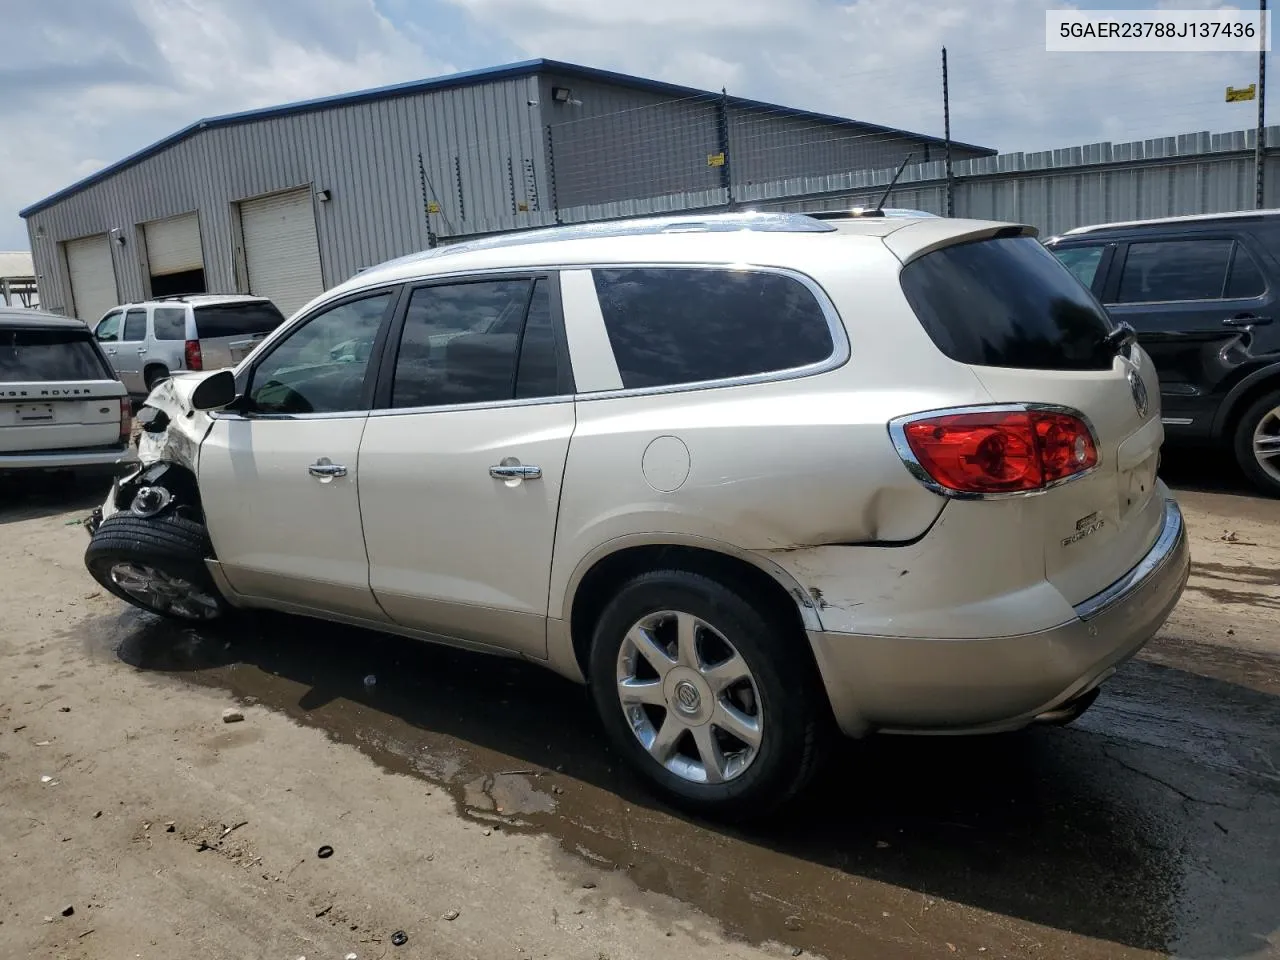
(1242, 444)
(168, 543)
(153, 375)
(780, 663)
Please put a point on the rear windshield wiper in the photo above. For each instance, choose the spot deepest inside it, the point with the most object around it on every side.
(1121, 337)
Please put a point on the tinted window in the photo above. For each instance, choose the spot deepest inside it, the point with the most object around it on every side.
(1245, 279)
(236, 319)
(539, 371)
(1007, 302)
(320, 367)
(170, 323)
(108, 328)
(1174, 270)
(671, 325)
(459, 343)
(1081, 261)
(41, 355)
(135, 324)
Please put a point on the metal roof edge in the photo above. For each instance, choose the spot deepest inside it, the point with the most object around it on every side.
(485, 74)
(409, 87)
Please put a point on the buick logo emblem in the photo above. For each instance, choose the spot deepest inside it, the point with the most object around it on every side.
(687, 698)
(1139, 391)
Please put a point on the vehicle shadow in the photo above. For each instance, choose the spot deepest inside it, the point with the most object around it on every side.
(48, 495)
(1153, 824)
(1204, 470)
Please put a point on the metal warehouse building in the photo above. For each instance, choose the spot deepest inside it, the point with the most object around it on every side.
(287, 201)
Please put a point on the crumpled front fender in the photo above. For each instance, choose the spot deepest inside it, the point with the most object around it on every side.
(173, 430)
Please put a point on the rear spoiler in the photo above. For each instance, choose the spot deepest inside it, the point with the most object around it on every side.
(914, 240)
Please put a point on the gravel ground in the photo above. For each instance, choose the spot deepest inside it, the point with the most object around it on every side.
(472, 804)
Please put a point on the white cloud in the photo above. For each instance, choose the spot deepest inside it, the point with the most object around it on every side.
(92, 82)
(90, 90)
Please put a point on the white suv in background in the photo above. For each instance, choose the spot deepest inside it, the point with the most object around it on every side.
(751, 477)
(146, 342)
(61, 407)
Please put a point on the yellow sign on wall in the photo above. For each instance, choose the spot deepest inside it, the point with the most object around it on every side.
(1236, 94)
(715, 159)
(433, 207)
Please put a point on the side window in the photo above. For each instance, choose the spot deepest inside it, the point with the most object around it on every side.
(1081, 261)
(320, 367)
(1245, 280)
(108, 328)
(538, 374)
(681, 325)
(1165, 270)
(170, 323)
(135, 324)
(460, 343)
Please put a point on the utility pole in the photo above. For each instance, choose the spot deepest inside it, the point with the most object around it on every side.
(1259, 154)
(946, 127)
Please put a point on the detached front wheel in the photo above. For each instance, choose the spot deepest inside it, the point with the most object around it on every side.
(156, 563)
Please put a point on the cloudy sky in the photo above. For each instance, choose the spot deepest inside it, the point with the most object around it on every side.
(85, 82)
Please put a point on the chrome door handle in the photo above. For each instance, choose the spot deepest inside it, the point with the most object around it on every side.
(326, 469)
(142, 349)
(515, 471)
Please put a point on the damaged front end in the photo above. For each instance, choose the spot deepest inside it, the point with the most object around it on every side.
(168, 452)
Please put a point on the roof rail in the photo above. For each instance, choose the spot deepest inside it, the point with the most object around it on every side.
(861, 212)
(173, 296)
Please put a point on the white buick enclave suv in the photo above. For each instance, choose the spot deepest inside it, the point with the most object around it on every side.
(751, 477)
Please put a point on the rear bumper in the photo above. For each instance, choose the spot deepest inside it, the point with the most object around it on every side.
(914, 685)
(103, 459)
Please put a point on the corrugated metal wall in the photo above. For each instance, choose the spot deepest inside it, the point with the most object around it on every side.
(482, 148)
(1060, 189)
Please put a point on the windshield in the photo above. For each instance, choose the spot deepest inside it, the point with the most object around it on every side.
(28, 356)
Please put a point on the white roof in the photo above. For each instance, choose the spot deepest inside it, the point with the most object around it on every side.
(16, 263)
(764, 239)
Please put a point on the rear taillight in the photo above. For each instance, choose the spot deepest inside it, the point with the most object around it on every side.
(195, 361)
(1015, 449)
(126, 420)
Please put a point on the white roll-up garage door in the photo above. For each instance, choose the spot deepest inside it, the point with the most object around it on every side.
(281, 251)
(93, 277)
(173, 245)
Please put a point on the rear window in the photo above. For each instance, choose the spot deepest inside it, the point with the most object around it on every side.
(1007, 302)
(236, 319)
(672, 326)
(42, 355)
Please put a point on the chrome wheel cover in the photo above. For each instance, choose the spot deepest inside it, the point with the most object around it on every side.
(1266, 444)
(689, 697)
(159, 591)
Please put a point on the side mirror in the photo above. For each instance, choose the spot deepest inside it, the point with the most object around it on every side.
(214, 392)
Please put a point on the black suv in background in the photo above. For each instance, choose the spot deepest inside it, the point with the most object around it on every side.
(1203, 295)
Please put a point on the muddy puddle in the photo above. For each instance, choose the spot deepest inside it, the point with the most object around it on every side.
(1153, 826)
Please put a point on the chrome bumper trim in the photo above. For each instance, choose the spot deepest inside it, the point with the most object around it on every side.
(1172, 532)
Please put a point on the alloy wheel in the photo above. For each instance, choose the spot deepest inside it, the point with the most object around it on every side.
(164, 593)
(689, 697)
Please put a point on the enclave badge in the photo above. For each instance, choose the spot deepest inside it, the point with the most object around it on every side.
(1084, 527)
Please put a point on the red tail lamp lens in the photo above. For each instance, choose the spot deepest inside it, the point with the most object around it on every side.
(1002, 451)
(195, 360)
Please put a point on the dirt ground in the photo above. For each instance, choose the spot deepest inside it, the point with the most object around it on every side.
(472, 804)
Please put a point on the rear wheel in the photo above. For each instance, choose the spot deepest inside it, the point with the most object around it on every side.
(1257, 443)
(154, 374)
(157, 564)
(709, 696)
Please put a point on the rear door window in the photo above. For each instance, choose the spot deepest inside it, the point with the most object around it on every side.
(1007, 302)
(135, 325)
(1245, 280)
(1160, 271)
(170, 323)
(236, 319)
(670, 326)
(45, 355)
